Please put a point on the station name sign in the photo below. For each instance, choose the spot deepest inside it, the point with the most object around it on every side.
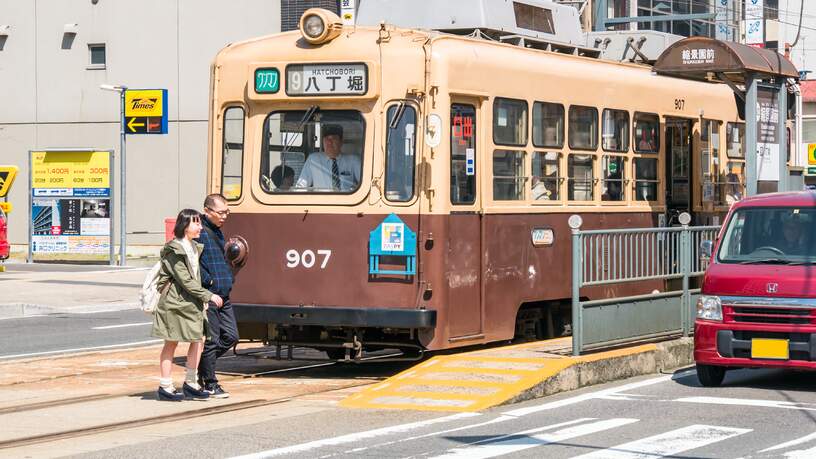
(326, 80)
(696, 56)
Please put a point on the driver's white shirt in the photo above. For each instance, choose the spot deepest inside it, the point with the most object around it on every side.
(317, 172)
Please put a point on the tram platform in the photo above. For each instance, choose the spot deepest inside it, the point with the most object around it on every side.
(477, 380)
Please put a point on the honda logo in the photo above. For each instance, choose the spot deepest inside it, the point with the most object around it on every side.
(772, 287)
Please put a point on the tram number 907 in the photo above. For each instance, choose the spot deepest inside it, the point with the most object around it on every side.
(679, 104)
(307, 258)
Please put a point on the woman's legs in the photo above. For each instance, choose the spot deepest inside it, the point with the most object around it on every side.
(166, 359)
(193, 357)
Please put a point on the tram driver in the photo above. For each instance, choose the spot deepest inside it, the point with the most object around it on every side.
(330, 169)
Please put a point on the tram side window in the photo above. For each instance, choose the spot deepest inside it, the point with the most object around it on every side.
(647, 133)
(735, 140)
(614, 173)
(546, 176)
(548, 125)
(732, 186)
(710, 159)
(646, 179)
(312, 151)
(463, 154)
(508, 175)
(233, 153)
(580, 177)
(400, 160)
(510, 122)
(583, 127)
(615, 134)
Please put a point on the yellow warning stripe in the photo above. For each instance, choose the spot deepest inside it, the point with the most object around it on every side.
(456, 383)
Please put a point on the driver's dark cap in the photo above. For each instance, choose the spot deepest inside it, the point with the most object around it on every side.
(332, 129)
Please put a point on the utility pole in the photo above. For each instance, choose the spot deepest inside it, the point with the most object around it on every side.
(122, 168)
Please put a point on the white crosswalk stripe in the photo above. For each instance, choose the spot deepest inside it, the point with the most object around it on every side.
(508, 444)
(669, 443)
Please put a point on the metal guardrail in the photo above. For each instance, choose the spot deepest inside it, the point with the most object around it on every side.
(614, 256)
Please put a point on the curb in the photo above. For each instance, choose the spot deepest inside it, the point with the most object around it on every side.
(665, 356)
(21, 310)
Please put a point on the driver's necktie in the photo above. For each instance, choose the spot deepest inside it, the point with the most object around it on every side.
(335, 175)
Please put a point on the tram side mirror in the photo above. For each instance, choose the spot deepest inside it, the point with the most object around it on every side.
(705, 248)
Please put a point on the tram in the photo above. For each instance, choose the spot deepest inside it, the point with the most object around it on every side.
(440, 220)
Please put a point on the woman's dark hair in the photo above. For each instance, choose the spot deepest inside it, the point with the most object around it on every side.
(183, 221)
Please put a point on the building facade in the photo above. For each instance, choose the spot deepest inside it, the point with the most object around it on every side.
(55, 54)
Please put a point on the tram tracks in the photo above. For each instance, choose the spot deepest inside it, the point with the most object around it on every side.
(165, 418)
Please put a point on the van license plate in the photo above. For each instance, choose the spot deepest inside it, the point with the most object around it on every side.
(769, 349)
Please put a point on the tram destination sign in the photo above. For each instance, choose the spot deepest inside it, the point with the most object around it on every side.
(326, 80)
(146, 111)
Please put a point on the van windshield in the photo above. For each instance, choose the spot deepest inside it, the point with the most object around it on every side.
(772, 235)
(312, 151)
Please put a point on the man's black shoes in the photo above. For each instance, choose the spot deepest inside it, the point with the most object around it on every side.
(216, 391)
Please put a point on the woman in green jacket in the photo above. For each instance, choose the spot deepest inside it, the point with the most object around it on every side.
(180, 315)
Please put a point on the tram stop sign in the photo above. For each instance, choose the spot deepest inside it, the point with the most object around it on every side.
(146, 111)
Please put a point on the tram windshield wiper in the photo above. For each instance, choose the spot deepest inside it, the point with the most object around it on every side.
(397, 116)
(290, 141)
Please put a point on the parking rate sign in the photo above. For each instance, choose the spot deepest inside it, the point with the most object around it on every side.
(146, 111)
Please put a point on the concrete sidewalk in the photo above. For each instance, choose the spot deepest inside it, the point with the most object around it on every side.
(35, 289)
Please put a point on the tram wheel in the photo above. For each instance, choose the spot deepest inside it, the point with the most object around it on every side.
(336, 353)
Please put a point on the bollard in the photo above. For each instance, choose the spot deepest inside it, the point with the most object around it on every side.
(575, 222)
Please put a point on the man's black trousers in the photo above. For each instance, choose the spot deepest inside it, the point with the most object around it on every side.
(223, 336)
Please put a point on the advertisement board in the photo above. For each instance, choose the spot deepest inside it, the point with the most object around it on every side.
(70, 206)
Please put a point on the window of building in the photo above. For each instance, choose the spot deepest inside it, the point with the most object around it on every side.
(614, 175)
(96, 56)
(735, 140)
(400, 160)
(463, 154)
(232, 165)
(533, 18)
(581, 180)
(646, 179)
(615, 130)
(510, 122)
(546, 176)
(647, 133)
(583, 127)
(508, 175)
(548, 125)
(305, 153)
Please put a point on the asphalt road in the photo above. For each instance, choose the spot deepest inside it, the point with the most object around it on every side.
(56, 334)
(757, 413)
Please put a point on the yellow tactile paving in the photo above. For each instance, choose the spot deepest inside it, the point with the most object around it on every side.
(475, 380)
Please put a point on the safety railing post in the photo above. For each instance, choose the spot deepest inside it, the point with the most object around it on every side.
(577, 274)
(685, 266)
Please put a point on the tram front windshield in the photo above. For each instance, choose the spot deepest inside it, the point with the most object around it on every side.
(312, 151)
(770, 235)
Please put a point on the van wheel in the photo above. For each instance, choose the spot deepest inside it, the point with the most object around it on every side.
(710, 375)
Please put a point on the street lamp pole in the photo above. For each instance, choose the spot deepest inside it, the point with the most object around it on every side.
(122, 168)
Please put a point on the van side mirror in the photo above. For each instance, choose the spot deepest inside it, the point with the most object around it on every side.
(705, 248)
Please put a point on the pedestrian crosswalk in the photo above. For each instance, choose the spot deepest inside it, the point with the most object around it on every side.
(576, 438)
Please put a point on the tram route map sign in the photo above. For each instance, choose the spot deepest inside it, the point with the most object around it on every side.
(146, 111)
(70, 206)
(767, 126)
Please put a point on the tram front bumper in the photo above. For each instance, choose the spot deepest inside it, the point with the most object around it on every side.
(335, 316)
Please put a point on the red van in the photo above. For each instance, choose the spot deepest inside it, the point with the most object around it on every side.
(4, 245)
(758, 302)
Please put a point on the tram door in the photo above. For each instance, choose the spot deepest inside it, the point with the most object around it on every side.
(463, 271)
(678, 168)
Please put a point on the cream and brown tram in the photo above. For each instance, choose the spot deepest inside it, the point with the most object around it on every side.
(442, 222)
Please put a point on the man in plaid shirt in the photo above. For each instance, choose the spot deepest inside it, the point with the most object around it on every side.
(217, 277)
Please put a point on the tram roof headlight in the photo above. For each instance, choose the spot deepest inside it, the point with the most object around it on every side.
(320, 26)
(313, 26)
